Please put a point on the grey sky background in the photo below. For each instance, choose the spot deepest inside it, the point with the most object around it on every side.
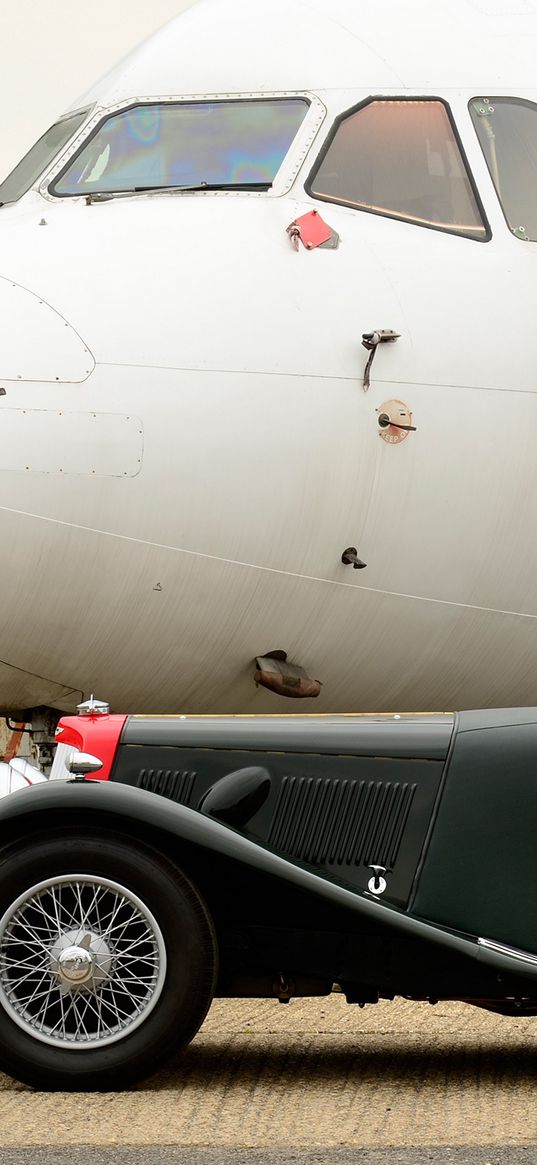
(52, 50)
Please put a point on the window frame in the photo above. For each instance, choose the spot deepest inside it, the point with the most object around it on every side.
(283, 179)
(384, 97)
(85, 112)
(515, 101)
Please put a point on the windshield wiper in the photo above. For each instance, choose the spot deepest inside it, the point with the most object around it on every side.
(106, 195)
(209, 186)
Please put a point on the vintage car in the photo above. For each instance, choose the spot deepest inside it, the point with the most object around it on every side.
(269, 856)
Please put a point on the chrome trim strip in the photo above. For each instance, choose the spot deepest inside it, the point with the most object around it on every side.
(512, 952)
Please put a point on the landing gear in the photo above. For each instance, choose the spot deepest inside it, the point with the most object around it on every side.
(107, 961)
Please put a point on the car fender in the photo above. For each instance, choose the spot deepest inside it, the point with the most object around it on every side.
(30, 811)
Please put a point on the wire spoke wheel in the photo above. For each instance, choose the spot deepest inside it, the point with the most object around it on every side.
(108, 958)
(82, 961)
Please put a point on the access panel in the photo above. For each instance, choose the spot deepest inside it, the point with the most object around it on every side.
(339, 814)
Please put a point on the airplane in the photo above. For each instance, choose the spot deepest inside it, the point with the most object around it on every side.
(268, 369)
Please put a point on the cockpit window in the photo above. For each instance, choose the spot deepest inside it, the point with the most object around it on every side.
(507, 131)
(401, 158)
(213, 143)
(38, 159)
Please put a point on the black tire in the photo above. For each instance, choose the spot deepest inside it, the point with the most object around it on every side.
(177, 951)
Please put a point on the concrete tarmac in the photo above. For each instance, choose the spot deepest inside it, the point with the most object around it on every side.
(173, 1156)
(311, 1082)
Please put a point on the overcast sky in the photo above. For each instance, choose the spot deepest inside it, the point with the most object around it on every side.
(53, 49)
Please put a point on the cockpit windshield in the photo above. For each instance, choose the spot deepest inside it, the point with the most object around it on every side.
(507, 130)
(192, 144)
(37, 160)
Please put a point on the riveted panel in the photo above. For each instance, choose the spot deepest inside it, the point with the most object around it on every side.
(38, 344)
(60, 442)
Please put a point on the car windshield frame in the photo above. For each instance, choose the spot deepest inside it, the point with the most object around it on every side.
(303, 134)
(483, 236)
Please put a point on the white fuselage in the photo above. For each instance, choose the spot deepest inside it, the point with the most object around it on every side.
(186, 444)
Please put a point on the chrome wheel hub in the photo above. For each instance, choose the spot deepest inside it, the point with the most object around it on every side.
(82, 961)
(75, 965)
